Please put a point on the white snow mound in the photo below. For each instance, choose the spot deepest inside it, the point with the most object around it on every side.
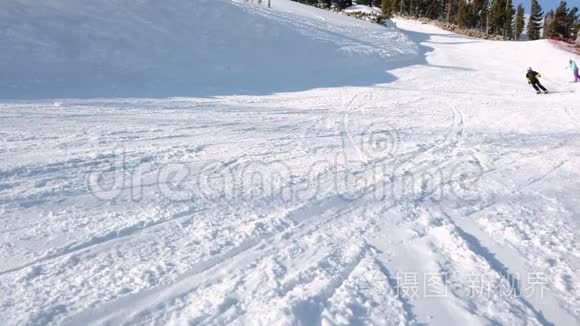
(148, 48)
(363, 9)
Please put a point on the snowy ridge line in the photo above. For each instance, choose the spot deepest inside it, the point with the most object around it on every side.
(313, 30)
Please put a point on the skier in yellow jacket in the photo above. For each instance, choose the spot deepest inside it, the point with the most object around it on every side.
(533, 79)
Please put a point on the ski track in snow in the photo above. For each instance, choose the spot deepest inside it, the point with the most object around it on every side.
(334, 256)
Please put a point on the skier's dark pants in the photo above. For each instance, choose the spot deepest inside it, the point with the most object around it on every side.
(537, 86)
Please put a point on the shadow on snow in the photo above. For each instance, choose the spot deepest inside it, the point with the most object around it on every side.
(181, 49)
(159, 51)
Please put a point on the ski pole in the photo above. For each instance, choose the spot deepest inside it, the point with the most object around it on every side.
(555, 83)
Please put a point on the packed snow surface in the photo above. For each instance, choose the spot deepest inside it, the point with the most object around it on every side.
(436, 188)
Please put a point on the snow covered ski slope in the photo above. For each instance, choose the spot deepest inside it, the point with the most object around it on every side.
(185, 48)
(441, 190)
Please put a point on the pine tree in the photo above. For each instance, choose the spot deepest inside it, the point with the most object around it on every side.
(413, 7)
(452, 8)
(509, 12)
(473, 13)
(490, 16)
(573, 22)
(520, 22)
(535, 23)
(559, 25)
(433, 9)
(548, 19)
(483, 16)
(395, 6)
(462, 18)
(369, 3)
(497, 16)
(326, 3)
(387, 8)
(342, 4)
(405, 7)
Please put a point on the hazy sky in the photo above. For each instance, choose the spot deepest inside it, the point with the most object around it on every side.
(547, 5)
